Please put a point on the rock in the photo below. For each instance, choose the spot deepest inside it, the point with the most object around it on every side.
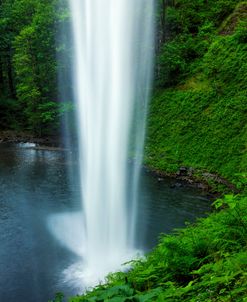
(190, 171)
(183, 171)
(176, 185)
(202, 186)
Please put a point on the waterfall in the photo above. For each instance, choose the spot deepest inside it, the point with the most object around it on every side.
(112, 67)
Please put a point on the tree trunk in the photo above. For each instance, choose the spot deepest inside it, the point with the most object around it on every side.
(1, 78)
(12, 93)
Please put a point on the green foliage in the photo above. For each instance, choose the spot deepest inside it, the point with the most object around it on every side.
(28, 67)
(35, 67)
(203, 122)
(10, 114)
(191, 27)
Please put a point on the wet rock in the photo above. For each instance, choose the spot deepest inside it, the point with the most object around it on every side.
(202, 186)
(183, 171)
(176, 185)
(190, 171)
(190, 181)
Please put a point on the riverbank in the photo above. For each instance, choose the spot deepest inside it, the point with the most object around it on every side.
(185, 176)
(212, 183)
(10, 136)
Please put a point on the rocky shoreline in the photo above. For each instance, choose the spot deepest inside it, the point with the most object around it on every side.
(186, 176)
(9, 136)
(203, 180)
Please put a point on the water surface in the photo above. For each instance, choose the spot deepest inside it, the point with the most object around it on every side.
(34, 186)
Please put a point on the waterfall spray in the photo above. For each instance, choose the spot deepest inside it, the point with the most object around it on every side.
(112, 67)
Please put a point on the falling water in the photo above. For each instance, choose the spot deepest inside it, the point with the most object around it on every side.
(112, 71)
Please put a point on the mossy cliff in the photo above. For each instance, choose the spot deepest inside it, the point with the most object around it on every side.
(202, 122)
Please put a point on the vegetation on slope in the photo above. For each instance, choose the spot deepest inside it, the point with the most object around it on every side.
(202, 122)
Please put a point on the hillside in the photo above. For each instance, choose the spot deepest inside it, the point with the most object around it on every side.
(202, 122)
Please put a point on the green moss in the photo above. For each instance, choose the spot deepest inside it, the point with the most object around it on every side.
(203, 123)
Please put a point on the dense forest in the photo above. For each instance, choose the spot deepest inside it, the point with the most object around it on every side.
(28, 66)
(197, 120)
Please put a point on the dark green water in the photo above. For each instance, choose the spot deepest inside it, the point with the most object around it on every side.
(34, 185)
